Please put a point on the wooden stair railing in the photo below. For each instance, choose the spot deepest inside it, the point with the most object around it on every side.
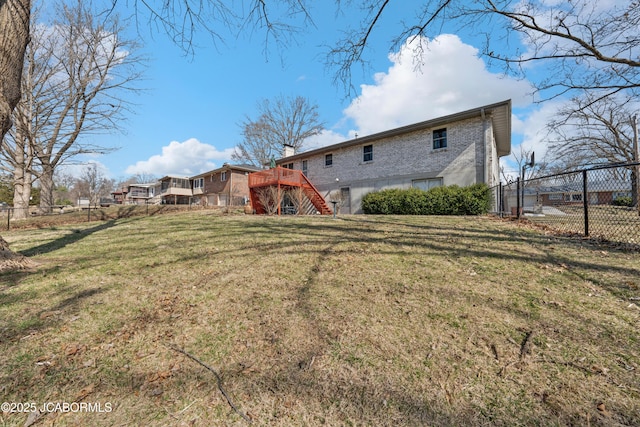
(314, 196)
(287, 178)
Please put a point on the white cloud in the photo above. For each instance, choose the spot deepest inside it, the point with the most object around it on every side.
(187, 158)
(446, 77)
(324, 138)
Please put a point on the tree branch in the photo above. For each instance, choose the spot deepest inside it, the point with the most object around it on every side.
(218, 379)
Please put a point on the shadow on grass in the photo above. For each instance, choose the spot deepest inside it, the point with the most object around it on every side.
(468, 241)
(67, 239)
(45, 317)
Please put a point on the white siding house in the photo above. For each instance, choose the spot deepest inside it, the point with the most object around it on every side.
(462, 148)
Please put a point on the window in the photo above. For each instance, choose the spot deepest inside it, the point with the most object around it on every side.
(426, 184)
(288, 166)
(555, 196)
(305, 167)
(198, 183)
(439, 139)
(367, 153)
(328, 159)
(223, 176)
(573, 197)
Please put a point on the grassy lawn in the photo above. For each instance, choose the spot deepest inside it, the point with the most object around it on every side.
(614, 223)
(381, 321)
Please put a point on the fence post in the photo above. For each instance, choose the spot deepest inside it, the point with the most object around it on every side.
(518, 198)
(500, 201)
(585, 202)
(8, 218)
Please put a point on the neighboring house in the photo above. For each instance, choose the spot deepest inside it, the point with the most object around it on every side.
(601, 192)
(140, 194)
(119, 195)
(462, 148)
(175, 190)
(224, 186)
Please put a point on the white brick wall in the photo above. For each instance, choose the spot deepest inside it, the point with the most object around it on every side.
(399, 160)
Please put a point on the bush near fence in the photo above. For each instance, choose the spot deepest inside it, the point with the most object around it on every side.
(447, 200)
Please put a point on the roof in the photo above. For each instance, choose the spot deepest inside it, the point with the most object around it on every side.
(500, 113)
(164, 178)
(227, 166)
(143, 185)
(578, 187)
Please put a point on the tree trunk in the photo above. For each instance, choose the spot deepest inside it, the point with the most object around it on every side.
(46, 187)
(22, 178)
(14, 36)
(22, 182)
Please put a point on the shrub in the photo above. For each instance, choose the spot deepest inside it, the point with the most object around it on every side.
(449, 200)
(623, 201)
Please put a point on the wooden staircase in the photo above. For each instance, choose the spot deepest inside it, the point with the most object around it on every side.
(284, 179)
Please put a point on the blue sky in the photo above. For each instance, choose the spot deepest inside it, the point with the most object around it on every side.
(186, 122)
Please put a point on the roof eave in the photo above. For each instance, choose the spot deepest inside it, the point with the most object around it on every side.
(500, 112)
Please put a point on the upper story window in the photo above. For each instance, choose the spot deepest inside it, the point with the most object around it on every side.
(328, 159)
(367, 153)
(288, 166)
(198, 183)
(223, 176)
(439, 139)
(180, 183)
(305, 167)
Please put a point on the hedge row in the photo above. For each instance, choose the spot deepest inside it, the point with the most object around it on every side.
(449, 200)
(623, 201)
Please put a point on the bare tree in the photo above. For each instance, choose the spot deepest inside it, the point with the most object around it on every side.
(17, 148)
(587, 46)
(270, 198)
(594, 130)
(94, 68)
(14, 36)
(297, 197)
(143, 178)
(94, 183)
(283, 121)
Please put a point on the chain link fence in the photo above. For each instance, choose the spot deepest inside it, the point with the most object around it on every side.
(600, 202)
(12, 218)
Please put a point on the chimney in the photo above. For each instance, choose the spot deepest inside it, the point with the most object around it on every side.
(289, 150)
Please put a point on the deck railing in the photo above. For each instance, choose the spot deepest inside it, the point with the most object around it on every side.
(275, 176)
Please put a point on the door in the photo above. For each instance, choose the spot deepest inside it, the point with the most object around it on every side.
(345, 200)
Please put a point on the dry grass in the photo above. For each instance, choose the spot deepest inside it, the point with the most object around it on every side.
(314, 321)
(614, 223)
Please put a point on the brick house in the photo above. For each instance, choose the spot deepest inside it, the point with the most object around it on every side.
(224, 186)
(462, 148)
